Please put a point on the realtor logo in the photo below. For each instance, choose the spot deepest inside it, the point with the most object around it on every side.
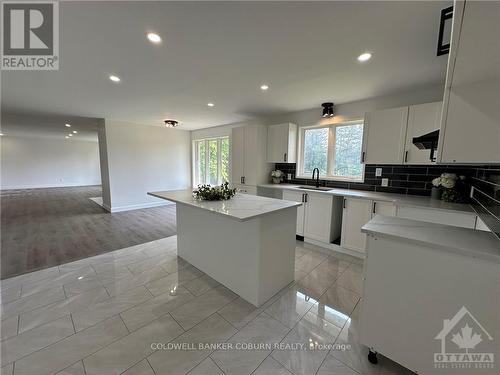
(30, 35)
(465, 343)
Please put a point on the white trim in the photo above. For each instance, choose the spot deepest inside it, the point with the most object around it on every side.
(136, 206)
(44, 186)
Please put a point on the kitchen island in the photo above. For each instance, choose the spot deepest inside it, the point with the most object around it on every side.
(246, 243)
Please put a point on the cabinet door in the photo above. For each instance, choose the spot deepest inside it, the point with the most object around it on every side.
(357, 212)
(277, 143)
(422, 119)
(296, 196)
(237, 155)
(384, 136)
(383, 208)
(318, 220)
(470, 132)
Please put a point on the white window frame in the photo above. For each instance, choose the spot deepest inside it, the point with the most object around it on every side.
(330, 152)
(207, 159)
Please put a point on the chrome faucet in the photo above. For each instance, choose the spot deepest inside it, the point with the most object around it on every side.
(317, 177)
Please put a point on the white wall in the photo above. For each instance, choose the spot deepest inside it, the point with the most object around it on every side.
(143, 158)
(29, 162)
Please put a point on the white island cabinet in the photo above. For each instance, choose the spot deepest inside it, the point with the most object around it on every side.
(246, 243)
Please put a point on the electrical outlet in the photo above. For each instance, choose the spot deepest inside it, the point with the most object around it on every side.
(289, 176)
(378, 172)
(385, 182)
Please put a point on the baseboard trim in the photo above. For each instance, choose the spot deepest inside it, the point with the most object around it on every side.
(334, 248)
(114, 209)
(20, 187)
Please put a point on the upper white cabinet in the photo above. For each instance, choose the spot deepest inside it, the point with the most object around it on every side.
(384, 136)
(248, 155)
(470, 130)
(388, 134)
(281, 143)
(422, 119)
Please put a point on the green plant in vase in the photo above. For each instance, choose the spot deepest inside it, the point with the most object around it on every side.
(214, 193)
(453, 188)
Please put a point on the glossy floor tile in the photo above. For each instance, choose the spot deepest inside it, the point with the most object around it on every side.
(143, 310)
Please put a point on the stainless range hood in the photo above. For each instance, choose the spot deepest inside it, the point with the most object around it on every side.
(428, 141)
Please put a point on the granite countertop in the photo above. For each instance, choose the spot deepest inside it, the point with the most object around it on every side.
(469, 242)
(241, 207)
(398, 199)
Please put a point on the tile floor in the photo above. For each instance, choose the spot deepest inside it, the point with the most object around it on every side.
(100, 315)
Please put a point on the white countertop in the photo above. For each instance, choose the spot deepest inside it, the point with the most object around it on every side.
(241, 207)
(469, 242)
(398, 199)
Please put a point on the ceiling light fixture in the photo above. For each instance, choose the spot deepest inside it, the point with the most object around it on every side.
(67, 137)
(70, 135)
(153, 37)
(67, 125)
(1, 134)
(75, 132)
(211, 104)
(327, 109)
(114, 78)
(171, 123)
(264, 87)
(365, 57)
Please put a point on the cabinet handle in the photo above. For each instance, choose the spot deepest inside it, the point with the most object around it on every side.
(305, 197)
(242, 179)
(284, 157)
(374, 207)
(363, 157)
(406, 156)
(302, 198)
(344, 202)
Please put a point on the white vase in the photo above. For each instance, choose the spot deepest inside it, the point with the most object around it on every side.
(276, 180)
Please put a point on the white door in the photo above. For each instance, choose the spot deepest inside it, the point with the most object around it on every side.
(318, 217)
(237, 155)
(296, 196)
(422, 119)
(384, 136)
(277, 143)
(357, 212)
(383, 208)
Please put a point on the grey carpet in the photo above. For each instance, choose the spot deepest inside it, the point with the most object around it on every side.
(42, 228)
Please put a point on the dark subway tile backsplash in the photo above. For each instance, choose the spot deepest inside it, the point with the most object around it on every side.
(417, 180)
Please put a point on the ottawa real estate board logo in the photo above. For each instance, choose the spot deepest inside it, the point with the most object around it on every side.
(30, 35)
(465, 344)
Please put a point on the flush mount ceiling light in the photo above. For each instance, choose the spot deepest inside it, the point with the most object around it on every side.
(153, 37)
(1, 134)
(171, 123)
(67, 125)
(70, 135)
(264, 87)
(114, 78)
(327, 109)
(67, 137)
(75, 132)
(211, 104)
(365, 57)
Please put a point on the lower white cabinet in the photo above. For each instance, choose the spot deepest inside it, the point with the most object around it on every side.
(296, 196)
(356, 213)
(319, 216)
(457, 219)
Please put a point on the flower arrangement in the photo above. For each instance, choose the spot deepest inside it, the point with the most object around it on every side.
(453, 187)
(214, 193)
(277, 176)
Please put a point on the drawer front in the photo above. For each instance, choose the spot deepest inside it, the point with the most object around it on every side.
(456, 219)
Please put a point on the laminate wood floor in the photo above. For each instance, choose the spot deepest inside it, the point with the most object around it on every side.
(42, 228)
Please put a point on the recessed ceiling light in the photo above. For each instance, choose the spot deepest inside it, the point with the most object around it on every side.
(264, 87)
(70, 135)
(1, 134)
(67, 137)
(154, 37)
(211, 104)
(67, 125)
(75, 132)
(365, 56)
(114, 78)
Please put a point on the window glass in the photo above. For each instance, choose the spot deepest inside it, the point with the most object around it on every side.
(315, 150)
(211, 161)
(224, 151)
(201, 162)
(347, 151)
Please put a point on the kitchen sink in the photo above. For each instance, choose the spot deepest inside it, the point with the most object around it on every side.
(321, 188)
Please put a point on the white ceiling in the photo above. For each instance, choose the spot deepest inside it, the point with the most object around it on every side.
(221, 52)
